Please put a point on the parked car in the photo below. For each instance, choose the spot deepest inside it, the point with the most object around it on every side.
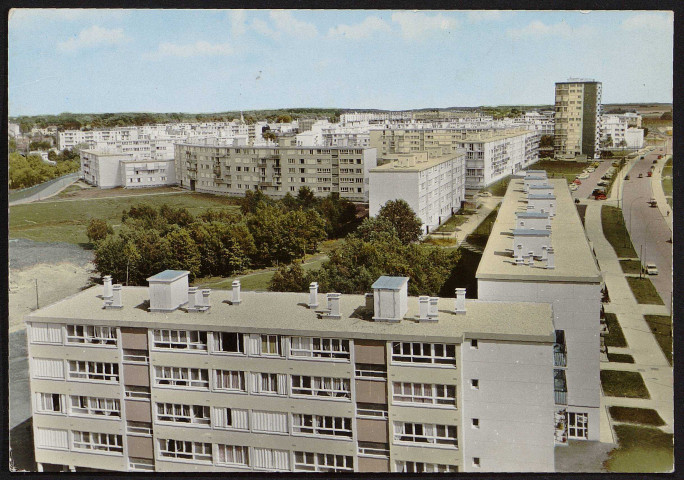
(659, 157)
(577, 181)
(573, 187)
(601, 196)
(602, 183)
(655, 161)
(650, 269)
(641, 175)
(649, 174)
(591, 170)
(652, 202)
(626, 177)
(485, 194)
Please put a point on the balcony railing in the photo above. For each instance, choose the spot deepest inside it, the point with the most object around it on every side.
(560, 387)
(559, 355)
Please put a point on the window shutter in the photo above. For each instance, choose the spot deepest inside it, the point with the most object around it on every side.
(283, 345)
(261, 457)
(48, 368)
(256, 382)
(52, 438)
(46, 333)
(217, 338)
(219, 417)
(240, 418)
(282, 383)
(282, 459)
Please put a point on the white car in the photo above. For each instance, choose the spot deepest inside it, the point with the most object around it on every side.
(573, 187)
(591, 170)
(485, 194)
(651, 269)
(583, 176)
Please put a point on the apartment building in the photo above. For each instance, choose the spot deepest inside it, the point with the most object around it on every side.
(490, 154)
(109, 170)
(538, 252)
(431, 182)
(172, 378)
(617, 131)
(578, 118)
(275, 170)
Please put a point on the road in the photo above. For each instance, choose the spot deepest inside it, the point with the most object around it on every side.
(648, 229)
(589, 184)
(45, 190)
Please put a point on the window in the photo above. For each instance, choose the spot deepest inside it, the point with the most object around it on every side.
(322, 462)
(180, 339)
(132, 392)
(48, 368)
(178, 413)
(145, 464)
(139, 428)
(103, 442)
(91, 335)
(232, 455)
(229, 380)
(430, 353)
(425, 433)
(371, 371)
(420, 467)
(270, 345)
(320, 386)
(271, 422)
(94, 406)
(307, 424)
(270, 459)
(424, 393)
(473, 343)
(231, 418)
(182, 377)
(475, 384)
(135, 356)
(46, 333)
(332, 348)
(52, 438)
(269, 383)
(198, 451)
(228, 342)
(49, 403)
(99, 371)
(578, 425)
(476, 422)
(476, 462)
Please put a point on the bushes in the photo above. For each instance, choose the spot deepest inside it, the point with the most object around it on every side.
(25, 172)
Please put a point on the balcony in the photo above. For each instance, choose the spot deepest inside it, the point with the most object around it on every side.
(560, 350)
(560, 387)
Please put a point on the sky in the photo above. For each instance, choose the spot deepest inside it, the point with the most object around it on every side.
(107, 61)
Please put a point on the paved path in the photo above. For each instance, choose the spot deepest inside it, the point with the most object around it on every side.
(48, 189)
(649, 360)
(487, 205)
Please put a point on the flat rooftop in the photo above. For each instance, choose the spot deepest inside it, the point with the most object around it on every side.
(418, 166)
(287, 314)
(573, 258)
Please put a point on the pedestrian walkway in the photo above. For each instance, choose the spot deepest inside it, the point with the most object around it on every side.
(659, 194)
(649, 360)
(486, 206)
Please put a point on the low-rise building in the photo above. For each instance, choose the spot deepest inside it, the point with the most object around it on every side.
(431, 182)
(619, 130)
(275, 170)
(166, 379)
(109, 170)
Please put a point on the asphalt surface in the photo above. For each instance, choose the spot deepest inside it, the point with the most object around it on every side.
(647, 227)
(589, 184)
(46, 189)
(25, 253)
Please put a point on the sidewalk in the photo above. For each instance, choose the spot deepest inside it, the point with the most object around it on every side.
(648, 358)
(462, 231)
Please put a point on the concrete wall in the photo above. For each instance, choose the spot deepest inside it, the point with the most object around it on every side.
(514, 405)
(389, 185)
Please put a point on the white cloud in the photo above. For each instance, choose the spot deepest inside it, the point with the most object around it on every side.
(415, 25)
(27, 16)
(361, 30)
(484, 15)
(655, 22)
(197, 49)
(539, 29)
(262, 27)
(285, 23)
(238, 26)
(94, 36)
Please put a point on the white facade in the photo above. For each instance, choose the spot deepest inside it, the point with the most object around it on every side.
(619, 129)
(13, 130)
(434, 187)
(109, 170)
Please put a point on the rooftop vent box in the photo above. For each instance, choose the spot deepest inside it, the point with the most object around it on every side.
(390, 300)
(168, 290)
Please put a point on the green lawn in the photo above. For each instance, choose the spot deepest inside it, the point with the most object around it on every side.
(644, 416)
(641, 449)
(616, 233)
(498, 189)
(667, 186)
(559, 168)
(481, 233)
(615, 337)
(620, 358)
(440, 241)
(644, 291)
(453, 223)
(661, 327)
(630, 266)
(66, 221)
(617, 383)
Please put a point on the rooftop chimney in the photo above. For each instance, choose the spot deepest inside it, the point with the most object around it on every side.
(424, 309)
(168, 290)
(236, 292)
(369, 301)
(530, 258)
(313, 295)
(390, 298)
(115, 301)
(192, 298)
(550, 260)
(198, 300)
(333, 305)
(107, 283)
(432, 311)
(460, 300)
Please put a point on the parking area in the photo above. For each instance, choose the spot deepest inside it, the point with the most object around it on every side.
(589, 184)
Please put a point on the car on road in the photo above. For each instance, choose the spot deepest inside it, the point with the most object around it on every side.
(590, 170)
(659, 157)
(652, 202)
(655, 162)
(573, 187)
(602, 183)
(626, 177)
(641, 175)
(485, 194)
(583, 176)
(649, 174)
(650, 269)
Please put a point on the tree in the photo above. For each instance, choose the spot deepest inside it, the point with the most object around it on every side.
(98, 230)
(181, 252)
(376, 229)
(251, 200)
(666, 116)
(306, 197)
(285, 118)
(645, 131)
(623, 143)
(546, 141)
(403, 218)
(289, 278)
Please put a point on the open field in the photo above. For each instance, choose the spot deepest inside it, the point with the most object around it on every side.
(559, 168)
(67, 220)
(661, 327)
(618, 383)
(616, 233)
(641, 449)
(644, 291)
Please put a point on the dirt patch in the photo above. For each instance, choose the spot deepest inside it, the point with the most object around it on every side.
(55, 282)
